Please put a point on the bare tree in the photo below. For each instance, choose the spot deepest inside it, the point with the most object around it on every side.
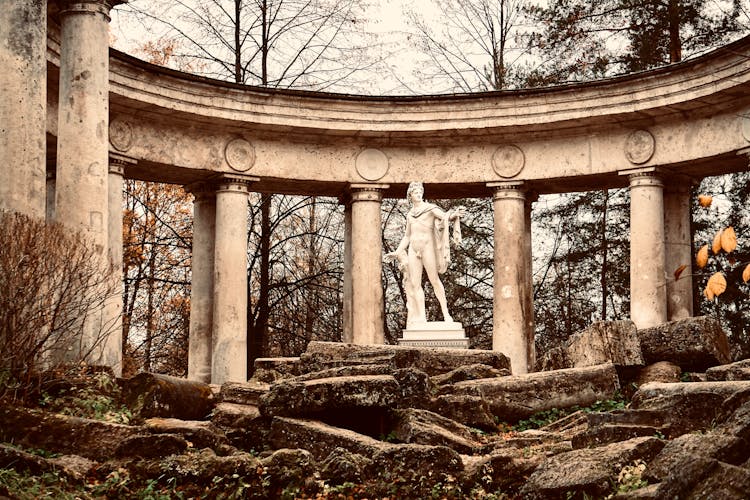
(472, 45)
(54, 286)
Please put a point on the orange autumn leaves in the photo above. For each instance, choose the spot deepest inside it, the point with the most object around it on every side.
(724, 241)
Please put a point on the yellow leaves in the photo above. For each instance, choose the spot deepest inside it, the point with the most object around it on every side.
(716, 245)
(678, 272)
(746, 274)
(716, 285)
(705, 200)
(728, 240)
(702, 258)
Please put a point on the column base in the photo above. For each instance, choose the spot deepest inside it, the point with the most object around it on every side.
(435, 334)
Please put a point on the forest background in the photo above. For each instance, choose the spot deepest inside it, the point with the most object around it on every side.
(409, 47)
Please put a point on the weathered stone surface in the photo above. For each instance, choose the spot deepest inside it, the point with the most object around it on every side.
(661, 371)
(243, 393)
(734, 371)
(200, 434)
(343, 466)
(738, 423)
(63, 434)
(570, 425)
(72, 467)
(347, 371)
(318, 438)
(413, 461)
(424, 427)
(203, 466)
(289, 467)
(415, 387)
(725, 481)
(591, 471)
(291, 398)
(694, 344)
(469, 372)
(520, 396)
(466, 409)
(153, 395)
(554, 359)
(232, 415)
(729, 449)
(269, 370)
(151, 446)
(690, 471)
(504, 470)
(433, 361)
(603, 342)
(694, 406)
(612, 433)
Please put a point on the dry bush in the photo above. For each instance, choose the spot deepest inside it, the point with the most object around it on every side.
(54, 286)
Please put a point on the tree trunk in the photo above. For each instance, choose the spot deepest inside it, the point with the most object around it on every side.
(675, 43)
(604, 251)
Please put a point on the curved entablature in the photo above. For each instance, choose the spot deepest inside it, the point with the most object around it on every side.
(689, 118)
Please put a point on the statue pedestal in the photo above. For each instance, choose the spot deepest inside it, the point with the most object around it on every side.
(435, 334)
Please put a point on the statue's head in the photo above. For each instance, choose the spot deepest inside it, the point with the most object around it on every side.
(414, 187)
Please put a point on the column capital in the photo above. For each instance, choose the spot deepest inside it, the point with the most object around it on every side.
(508, 190)
(366, 192)
(118, 162)
(102, 7)
(228, 182)
(646, 176)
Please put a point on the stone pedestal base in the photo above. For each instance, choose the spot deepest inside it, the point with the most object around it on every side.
(435, 334)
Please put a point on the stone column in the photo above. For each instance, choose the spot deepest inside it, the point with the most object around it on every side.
(648, 295)
(229, 345)
(112, 347)
(513, 317)
(50, 203)
(202, 283)
(348, 321)
(366, 264)
(678, 248)
(83, 118)
(23, 106)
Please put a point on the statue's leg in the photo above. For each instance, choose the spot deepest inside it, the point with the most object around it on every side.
(430, 265)
(415, 286)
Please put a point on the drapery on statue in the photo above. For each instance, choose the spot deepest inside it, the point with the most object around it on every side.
(425, 246)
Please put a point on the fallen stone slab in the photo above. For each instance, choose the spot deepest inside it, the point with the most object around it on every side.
(154, 395)
(71, 467)
(414, 461)
(91, 439)
(289, 467)
(433, 361)
(691, 406)
(506, 470)
(151, 446)
(603, 342)
(694, 344)
(725, 481)
(199, 433)
(343, 466)
(589, 471)
(469, 410)
(662, 371)
(270, 370)
(330, 395)
(234, 416)
(727, 448)
(347, 371)
(243, 393)
(416, 426)
(318, 438)
(520, 396)
(469, 372)
(733, 371)
(202, 467)
(613, 433)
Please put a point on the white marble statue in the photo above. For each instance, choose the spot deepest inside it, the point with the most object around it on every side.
(425, 246)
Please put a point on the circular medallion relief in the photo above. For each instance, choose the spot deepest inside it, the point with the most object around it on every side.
(508, 161)
(371, 164)
(639, 147)
(120, 135)
(240, 154)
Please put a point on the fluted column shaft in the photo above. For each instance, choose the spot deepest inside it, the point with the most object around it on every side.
(513, 316)
(202, 283)
(678, 248)
(366, 265)
(229, 345)
(23, 106)
(648, 296)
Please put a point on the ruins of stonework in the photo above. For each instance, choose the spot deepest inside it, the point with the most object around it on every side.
(79, 118)
(375, 421)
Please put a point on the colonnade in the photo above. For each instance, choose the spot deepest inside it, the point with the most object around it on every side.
(87, 187)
